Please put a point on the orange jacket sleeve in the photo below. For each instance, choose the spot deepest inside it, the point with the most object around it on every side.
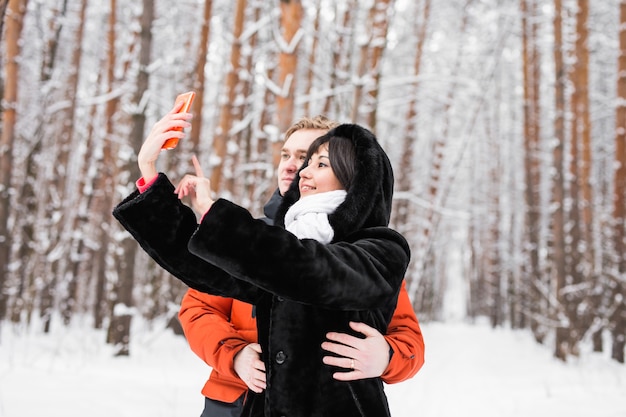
(405, 338)
(206, 321)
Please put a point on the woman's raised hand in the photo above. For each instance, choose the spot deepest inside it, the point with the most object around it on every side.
(197, 187)
(162, 130)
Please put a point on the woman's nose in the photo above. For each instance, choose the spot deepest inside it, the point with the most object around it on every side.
(305, 172)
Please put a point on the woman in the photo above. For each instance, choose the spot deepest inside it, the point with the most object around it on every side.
(337, 262)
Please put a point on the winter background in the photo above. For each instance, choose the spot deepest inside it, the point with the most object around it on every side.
(471, 370)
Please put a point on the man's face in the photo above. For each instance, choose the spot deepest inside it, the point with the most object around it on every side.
(292, 155)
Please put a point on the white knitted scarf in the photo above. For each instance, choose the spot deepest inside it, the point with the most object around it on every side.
(308, 217)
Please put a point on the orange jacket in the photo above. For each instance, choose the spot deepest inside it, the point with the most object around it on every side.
(218, 328)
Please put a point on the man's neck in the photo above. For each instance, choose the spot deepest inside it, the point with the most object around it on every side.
(271, 207)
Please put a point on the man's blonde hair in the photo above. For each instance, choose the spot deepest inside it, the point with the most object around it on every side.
(318, 122)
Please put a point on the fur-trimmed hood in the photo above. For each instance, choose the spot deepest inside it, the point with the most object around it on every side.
(368, 200)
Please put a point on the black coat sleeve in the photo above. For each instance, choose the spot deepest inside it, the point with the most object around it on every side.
(163, 225)
(364, 271)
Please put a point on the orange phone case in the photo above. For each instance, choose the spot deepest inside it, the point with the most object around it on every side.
(188, 99)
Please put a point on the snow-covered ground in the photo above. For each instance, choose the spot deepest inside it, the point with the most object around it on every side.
(471, 370)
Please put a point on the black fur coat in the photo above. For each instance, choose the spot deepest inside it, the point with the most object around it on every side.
(302, 289)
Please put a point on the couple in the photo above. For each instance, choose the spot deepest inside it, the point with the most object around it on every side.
(336, 263)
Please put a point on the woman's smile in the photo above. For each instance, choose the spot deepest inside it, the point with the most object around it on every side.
(318, 176)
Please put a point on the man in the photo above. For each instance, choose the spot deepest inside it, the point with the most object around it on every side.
(222, 331)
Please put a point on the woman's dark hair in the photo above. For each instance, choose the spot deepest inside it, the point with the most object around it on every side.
(342, 155)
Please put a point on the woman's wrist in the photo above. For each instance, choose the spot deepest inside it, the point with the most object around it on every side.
(148, 171)
(203, 209)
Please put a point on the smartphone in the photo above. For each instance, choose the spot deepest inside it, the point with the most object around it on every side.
(187, 98)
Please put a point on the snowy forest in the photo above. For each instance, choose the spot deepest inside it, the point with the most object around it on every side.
(505, 121)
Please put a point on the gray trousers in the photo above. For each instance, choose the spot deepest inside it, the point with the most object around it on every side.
(214, 408)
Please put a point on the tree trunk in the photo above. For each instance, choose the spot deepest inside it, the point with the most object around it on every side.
(403, 209)
(119, 328)
(226, 113)
(580, 249)
(312, 62)
(56, 146)
(3, 7)
(531, 66)
(495, 272)
(241, 182)
(368, 75)
(359, 85)
(17, 11)
(583, 129)
(72, 196)
(290, 23)
(340, 53)
(199, 82)
(558, 190)
(381, 14)
(618, 318)
(103, 189)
